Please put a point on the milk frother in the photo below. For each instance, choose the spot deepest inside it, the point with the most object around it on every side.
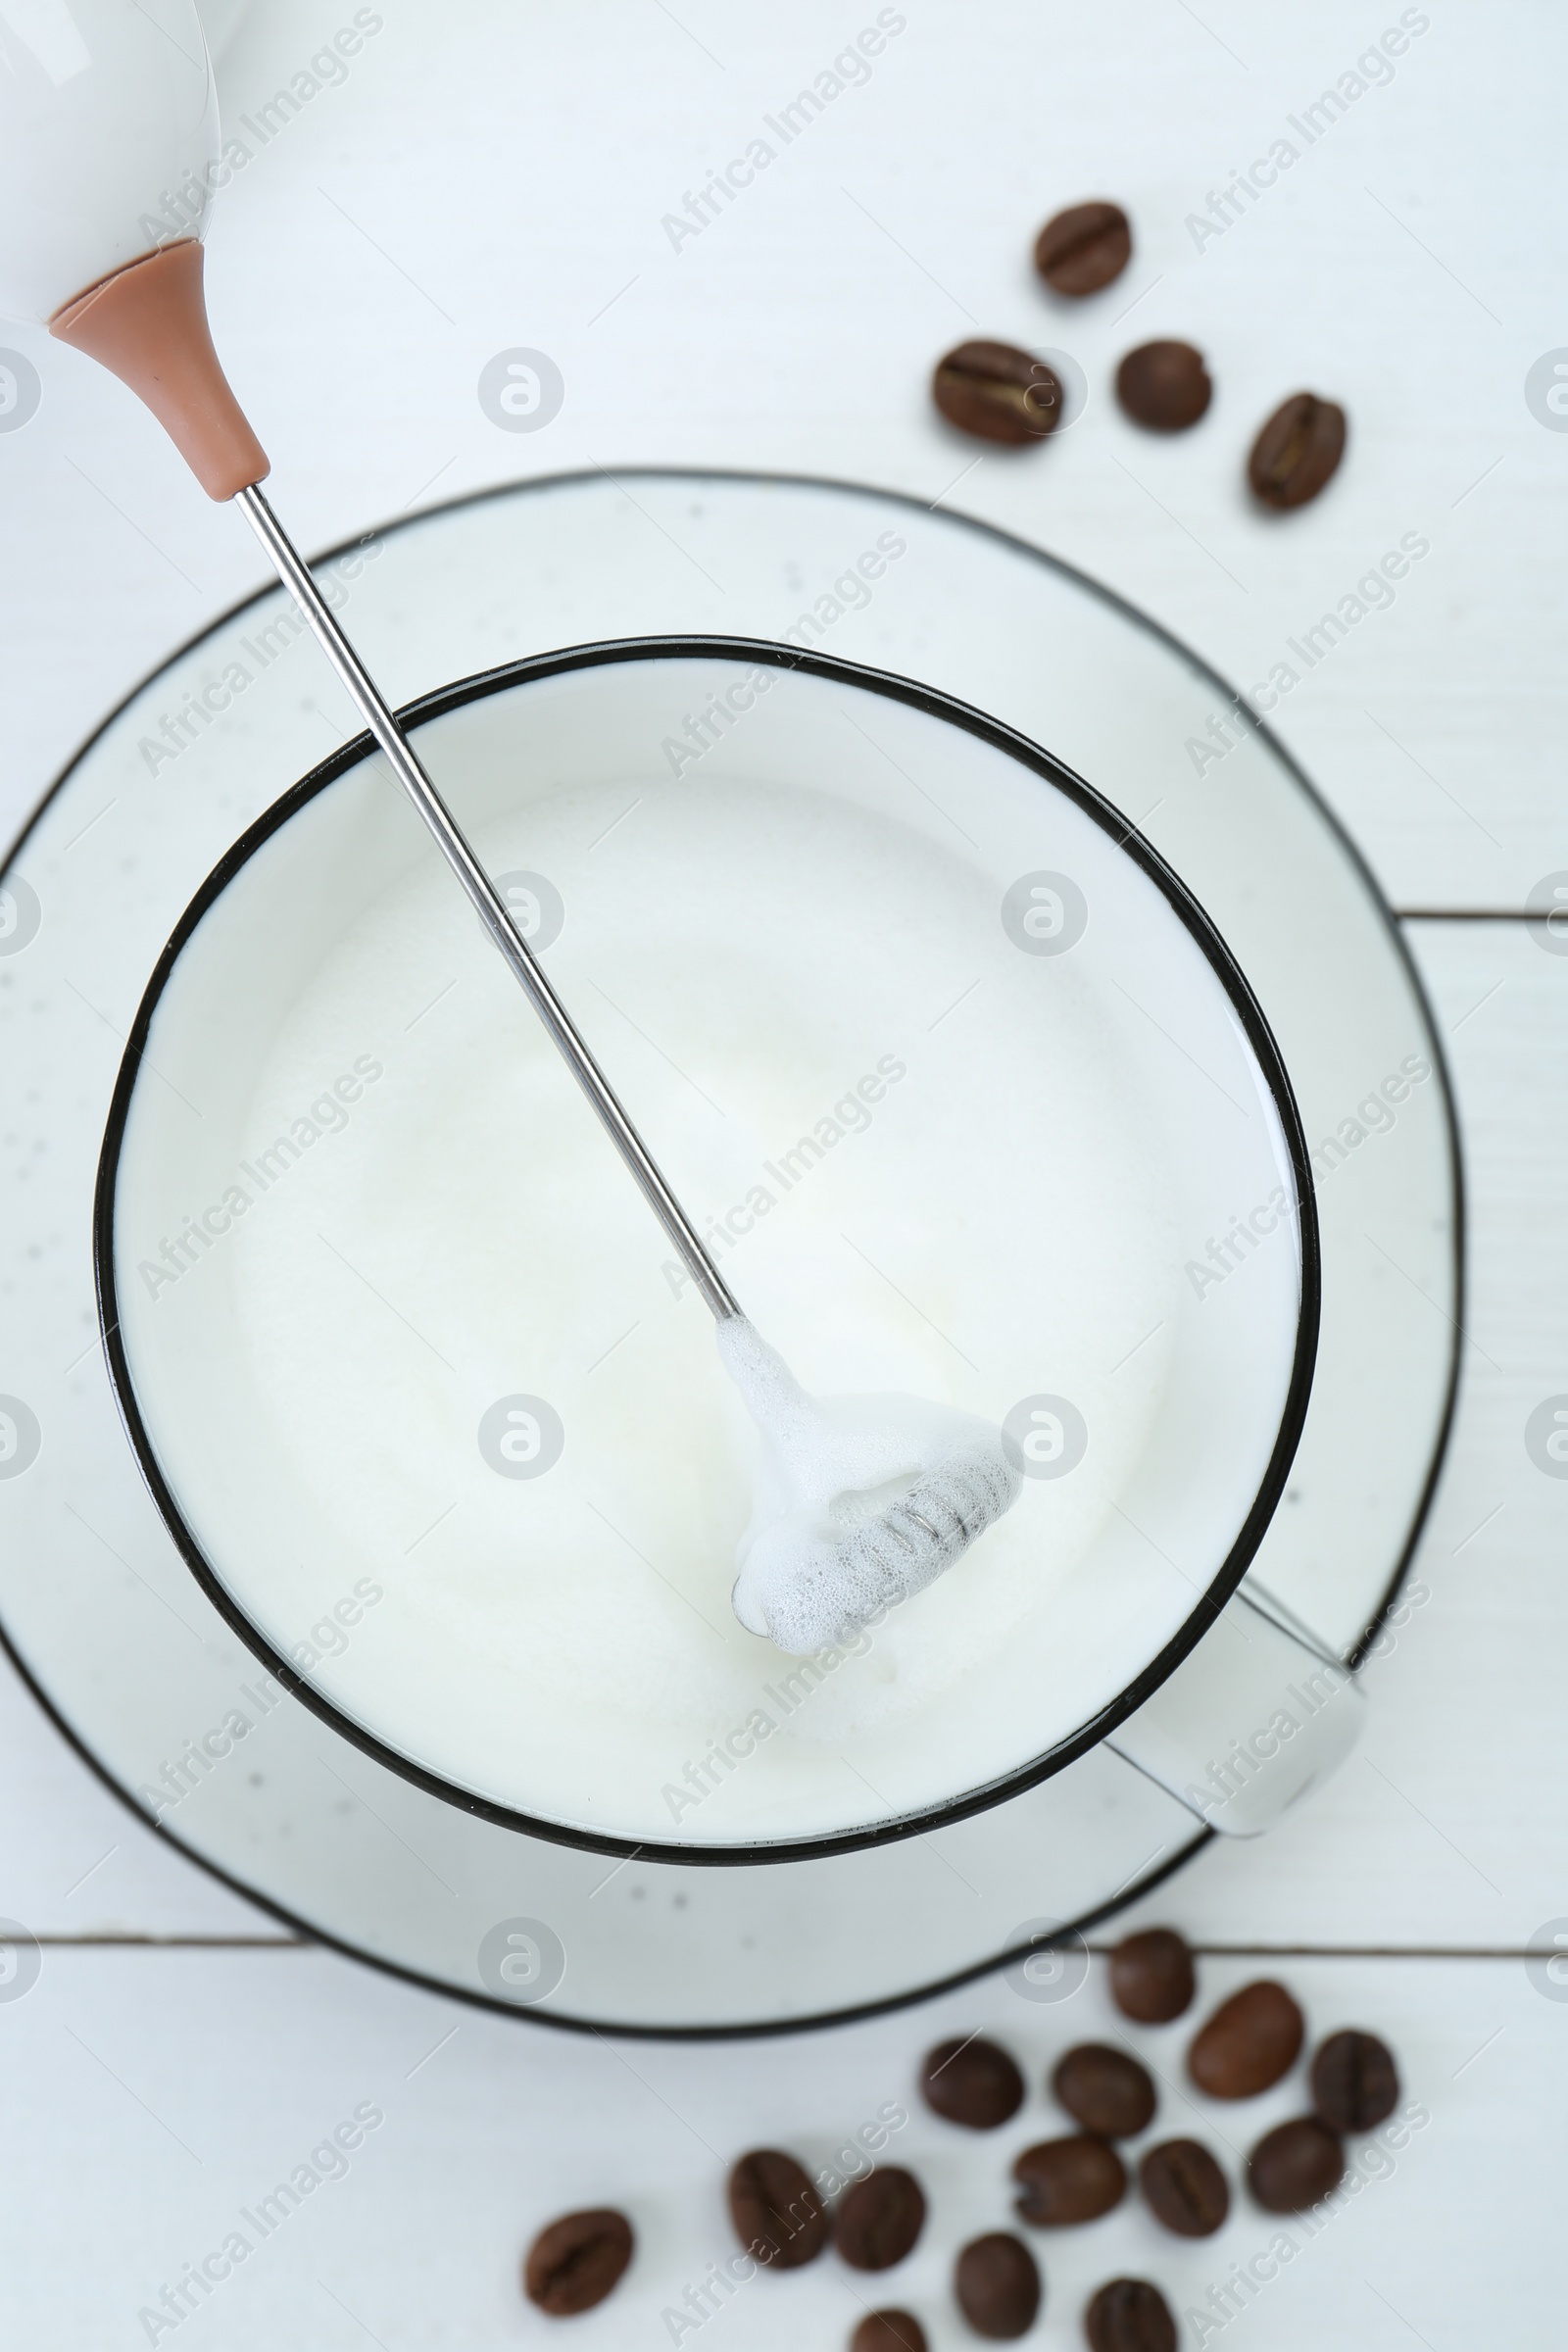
(109, 157)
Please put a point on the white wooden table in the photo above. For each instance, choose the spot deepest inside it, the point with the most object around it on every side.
(492, 176)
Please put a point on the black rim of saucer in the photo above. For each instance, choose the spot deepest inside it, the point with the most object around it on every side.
(1199, 928)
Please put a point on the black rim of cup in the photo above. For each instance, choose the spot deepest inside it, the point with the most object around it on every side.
(1197, 925)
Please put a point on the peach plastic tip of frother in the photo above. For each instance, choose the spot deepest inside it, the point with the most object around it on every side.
(147, 325)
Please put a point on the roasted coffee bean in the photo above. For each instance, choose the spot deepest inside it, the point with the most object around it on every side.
(1065, 2181)
(997, 2286)
(1152, 1976)
(1295, 2165)
(1297, 452)
(573, 2264)
(1184, 2187)
(1104, 2090)
(1128, 2315)
(1084, 248)
(973, 2082)
(879, 2220)
(998, 392)
(777, 2214)
(889, 2331)
(1354, 2080)
(1164, 386)
(1249, 2042)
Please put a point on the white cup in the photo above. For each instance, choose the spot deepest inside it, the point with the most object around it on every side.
(440, 1428)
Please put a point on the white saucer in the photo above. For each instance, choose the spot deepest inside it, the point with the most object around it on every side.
(98, 1609)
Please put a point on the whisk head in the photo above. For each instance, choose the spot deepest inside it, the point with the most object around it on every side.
(807, 1582)
(869, 1500)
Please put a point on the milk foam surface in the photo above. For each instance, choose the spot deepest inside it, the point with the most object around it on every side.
(584, 1618)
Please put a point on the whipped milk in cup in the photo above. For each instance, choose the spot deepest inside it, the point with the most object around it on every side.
(962, 1102)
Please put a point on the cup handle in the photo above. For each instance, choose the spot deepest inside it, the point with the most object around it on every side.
(1253, 1718)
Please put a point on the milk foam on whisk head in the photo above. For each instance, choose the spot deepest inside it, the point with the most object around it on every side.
(860, 1501)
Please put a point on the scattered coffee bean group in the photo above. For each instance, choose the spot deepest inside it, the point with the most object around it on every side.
(1002, 393)
(1248, 2045)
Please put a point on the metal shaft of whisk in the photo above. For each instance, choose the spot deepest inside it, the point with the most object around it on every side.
(486, 900)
